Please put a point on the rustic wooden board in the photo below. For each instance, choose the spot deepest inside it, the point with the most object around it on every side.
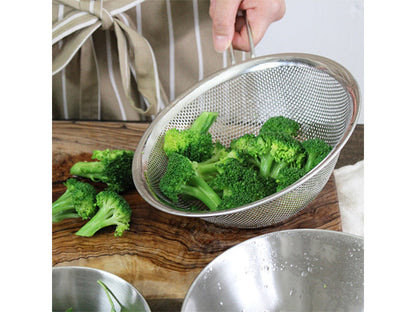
(161, 254)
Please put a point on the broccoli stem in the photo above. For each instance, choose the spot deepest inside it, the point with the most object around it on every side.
(274, 172)
(201, 190)
(266, 163)
(203, 122)
(92, 170)
(207, 168)
(103, 218)
(310, 162)
(63, 208)
(213, 160)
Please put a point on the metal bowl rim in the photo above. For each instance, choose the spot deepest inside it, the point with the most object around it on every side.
(109, 275)
(261, 237)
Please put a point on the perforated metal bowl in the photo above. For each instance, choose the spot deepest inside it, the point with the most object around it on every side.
(315, 91)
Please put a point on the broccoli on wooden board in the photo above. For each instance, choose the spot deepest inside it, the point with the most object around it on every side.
(78, 201)
(113, 167)
(113, 210)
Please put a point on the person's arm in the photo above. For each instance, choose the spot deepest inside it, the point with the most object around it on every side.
(227, 28)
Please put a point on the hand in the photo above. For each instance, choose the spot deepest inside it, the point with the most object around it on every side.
(228, 28)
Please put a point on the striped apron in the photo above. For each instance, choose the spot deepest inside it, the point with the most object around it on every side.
(126, 60)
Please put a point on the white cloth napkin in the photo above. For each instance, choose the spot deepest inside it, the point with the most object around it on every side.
(349, 181)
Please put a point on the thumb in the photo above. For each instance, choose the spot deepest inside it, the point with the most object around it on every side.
(223, 14)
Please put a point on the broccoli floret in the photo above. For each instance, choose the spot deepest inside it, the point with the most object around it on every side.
(113, 210)
(78, 201)
(219, 152)
(254, 149)
(241, 184)
(211, 167)
(250, 145)
(195, 142)
(316, 150)
(267, 149)
(280, 124)
(183, 178)
(208, 168)
(114, 167)
(287, 176)
(286, 151)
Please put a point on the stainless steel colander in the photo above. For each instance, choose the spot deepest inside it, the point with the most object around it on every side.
(320, 94)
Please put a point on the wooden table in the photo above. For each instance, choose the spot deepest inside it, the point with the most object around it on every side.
(161, 254)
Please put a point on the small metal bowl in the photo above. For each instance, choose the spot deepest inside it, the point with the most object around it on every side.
(294, 270)
(77, 288)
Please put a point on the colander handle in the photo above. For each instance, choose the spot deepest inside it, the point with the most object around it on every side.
(250, 40)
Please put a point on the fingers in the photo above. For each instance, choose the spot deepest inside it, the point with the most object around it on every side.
(271, 10)
(258, 26)
(260, 14)
(223, 14)
(227, 29)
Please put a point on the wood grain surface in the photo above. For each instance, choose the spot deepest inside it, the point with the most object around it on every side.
(161, 254)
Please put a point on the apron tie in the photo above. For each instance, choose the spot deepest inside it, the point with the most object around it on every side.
(82, 19)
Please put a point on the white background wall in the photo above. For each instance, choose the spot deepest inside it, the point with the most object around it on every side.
(330, 28)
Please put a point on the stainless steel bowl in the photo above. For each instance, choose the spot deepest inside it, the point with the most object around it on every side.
(77, 287)
(294, 270)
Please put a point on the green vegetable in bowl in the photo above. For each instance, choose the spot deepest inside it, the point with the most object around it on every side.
(110, 294)
(287, 176)
(194, 142)
(251, 168)
(280, 124)
(241, 183)
(286, 152)
(112, 167)
(78, 201)
(182, 177)
(270, 151)
(316, 150)
(113, 210)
